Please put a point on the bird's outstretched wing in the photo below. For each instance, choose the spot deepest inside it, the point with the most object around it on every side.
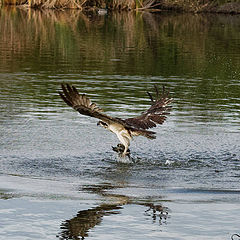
(156, 114)
(82, 104)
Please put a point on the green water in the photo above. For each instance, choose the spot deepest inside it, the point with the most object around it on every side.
(59, 177)
(202, 46)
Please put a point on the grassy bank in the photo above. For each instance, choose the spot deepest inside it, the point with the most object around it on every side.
(221, 6)
(82, 4)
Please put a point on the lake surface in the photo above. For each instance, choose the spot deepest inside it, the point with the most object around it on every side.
(60, 179)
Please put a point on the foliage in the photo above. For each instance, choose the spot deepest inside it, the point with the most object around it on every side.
(83, 4)
(179, 5)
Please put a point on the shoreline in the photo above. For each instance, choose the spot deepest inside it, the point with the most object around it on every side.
(209, 7)
(203, 6)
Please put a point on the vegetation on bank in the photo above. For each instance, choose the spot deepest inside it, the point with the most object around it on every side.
(223, 6)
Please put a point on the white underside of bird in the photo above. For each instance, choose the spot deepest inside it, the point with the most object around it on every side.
(123, 136)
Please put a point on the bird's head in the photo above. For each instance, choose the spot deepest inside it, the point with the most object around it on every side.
(102, 124)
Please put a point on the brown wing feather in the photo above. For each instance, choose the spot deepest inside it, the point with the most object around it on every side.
(83, 104)
(156, 114)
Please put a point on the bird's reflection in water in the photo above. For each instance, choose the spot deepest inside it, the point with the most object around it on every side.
(78, 227)
(157, 212)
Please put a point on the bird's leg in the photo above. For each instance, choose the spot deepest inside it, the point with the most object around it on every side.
(125, 152)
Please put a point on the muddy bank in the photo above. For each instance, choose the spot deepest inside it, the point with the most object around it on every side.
(231, 7)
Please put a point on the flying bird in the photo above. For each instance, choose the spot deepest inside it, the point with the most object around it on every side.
(125, 129)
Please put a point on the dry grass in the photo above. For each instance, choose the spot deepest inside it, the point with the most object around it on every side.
(56, 4)
(122, 4)
(13, 2)
(48, 4)
(176, 5)
(81, 4)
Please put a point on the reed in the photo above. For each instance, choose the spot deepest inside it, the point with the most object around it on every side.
(48, 4)
(82, 4)
(56, 4)
(13, 2)
(176, 5)
(121, 4)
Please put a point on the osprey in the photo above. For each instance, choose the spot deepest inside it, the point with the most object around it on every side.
(125, 129)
